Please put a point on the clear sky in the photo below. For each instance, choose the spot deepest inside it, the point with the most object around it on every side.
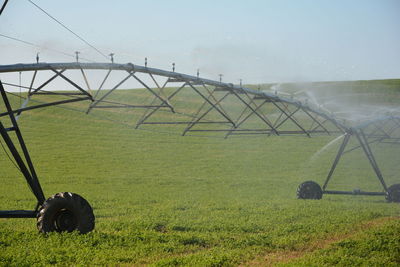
(255, 40)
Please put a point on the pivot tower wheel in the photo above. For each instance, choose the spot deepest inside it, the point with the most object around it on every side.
(65, 212)
(309, 190)
(393, 193)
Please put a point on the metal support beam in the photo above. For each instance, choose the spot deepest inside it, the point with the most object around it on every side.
(290, 116)
(154, 93)
(336, 161)
(354, 193)
(368, 152)
(86, 81)
(211, 94)
(18, 213)
(73, 83)
(257, 114)
(46, 82)
(147, 115)
(101, 85)
(319, 124)
(196, 120)
(109, 92)
(46, 105)
(240, 121)
(214, 106)
(28, 172)
(161, 88)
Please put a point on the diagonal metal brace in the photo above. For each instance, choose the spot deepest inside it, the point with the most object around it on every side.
(241, 121)
(368, 152)
(195, 121)
(213, 105)
(290, 117)
(73, 84)
(257, 114)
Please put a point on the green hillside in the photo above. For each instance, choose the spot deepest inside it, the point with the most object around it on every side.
(166, 200)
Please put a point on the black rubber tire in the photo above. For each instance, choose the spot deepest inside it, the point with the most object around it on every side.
(393, 193)
(65, 212)
(309, 190)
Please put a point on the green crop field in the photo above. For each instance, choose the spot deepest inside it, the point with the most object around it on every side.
(165, 200)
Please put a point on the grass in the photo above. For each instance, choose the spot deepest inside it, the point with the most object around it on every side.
(167, 200)
(377, 246)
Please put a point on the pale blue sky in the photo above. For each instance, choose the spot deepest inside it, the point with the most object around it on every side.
(256, 40)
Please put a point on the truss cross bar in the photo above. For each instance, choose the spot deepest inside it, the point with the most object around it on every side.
(379, 128)
(184, 122)
(160, 88)
(213, 97)
(195, 115)
(287, 116)
(161, 92)
(213, 105)
(257, 114)
(152, 91)
(368, 152)
(290, 116)
(131, 106)
(393, 129)
(109, 92)
(255, 104)
(99, 89)
(60, 94)
(238, 123)
(102, 83)
(193, 123)
(286, 108)
(148, 115)
(72, 83)
(279, 117)
(396, 126)
(86, 81)
(316, 127)
(241, 115)
(47, 82)
(46, 105)
(358, 146)
(336, 161)
(144, 116)
(316, 121)
(397, 121)
(32, 82)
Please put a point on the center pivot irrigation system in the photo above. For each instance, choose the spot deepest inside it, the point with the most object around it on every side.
(68, 211)
(260, 113)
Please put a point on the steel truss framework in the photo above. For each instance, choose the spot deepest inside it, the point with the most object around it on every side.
(255, 112)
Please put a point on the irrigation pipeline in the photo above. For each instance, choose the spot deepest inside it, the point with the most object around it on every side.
(131, 68)
(191, 80)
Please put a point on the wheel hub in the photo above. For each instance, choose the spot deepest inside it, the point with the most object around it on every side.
(65, 221)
